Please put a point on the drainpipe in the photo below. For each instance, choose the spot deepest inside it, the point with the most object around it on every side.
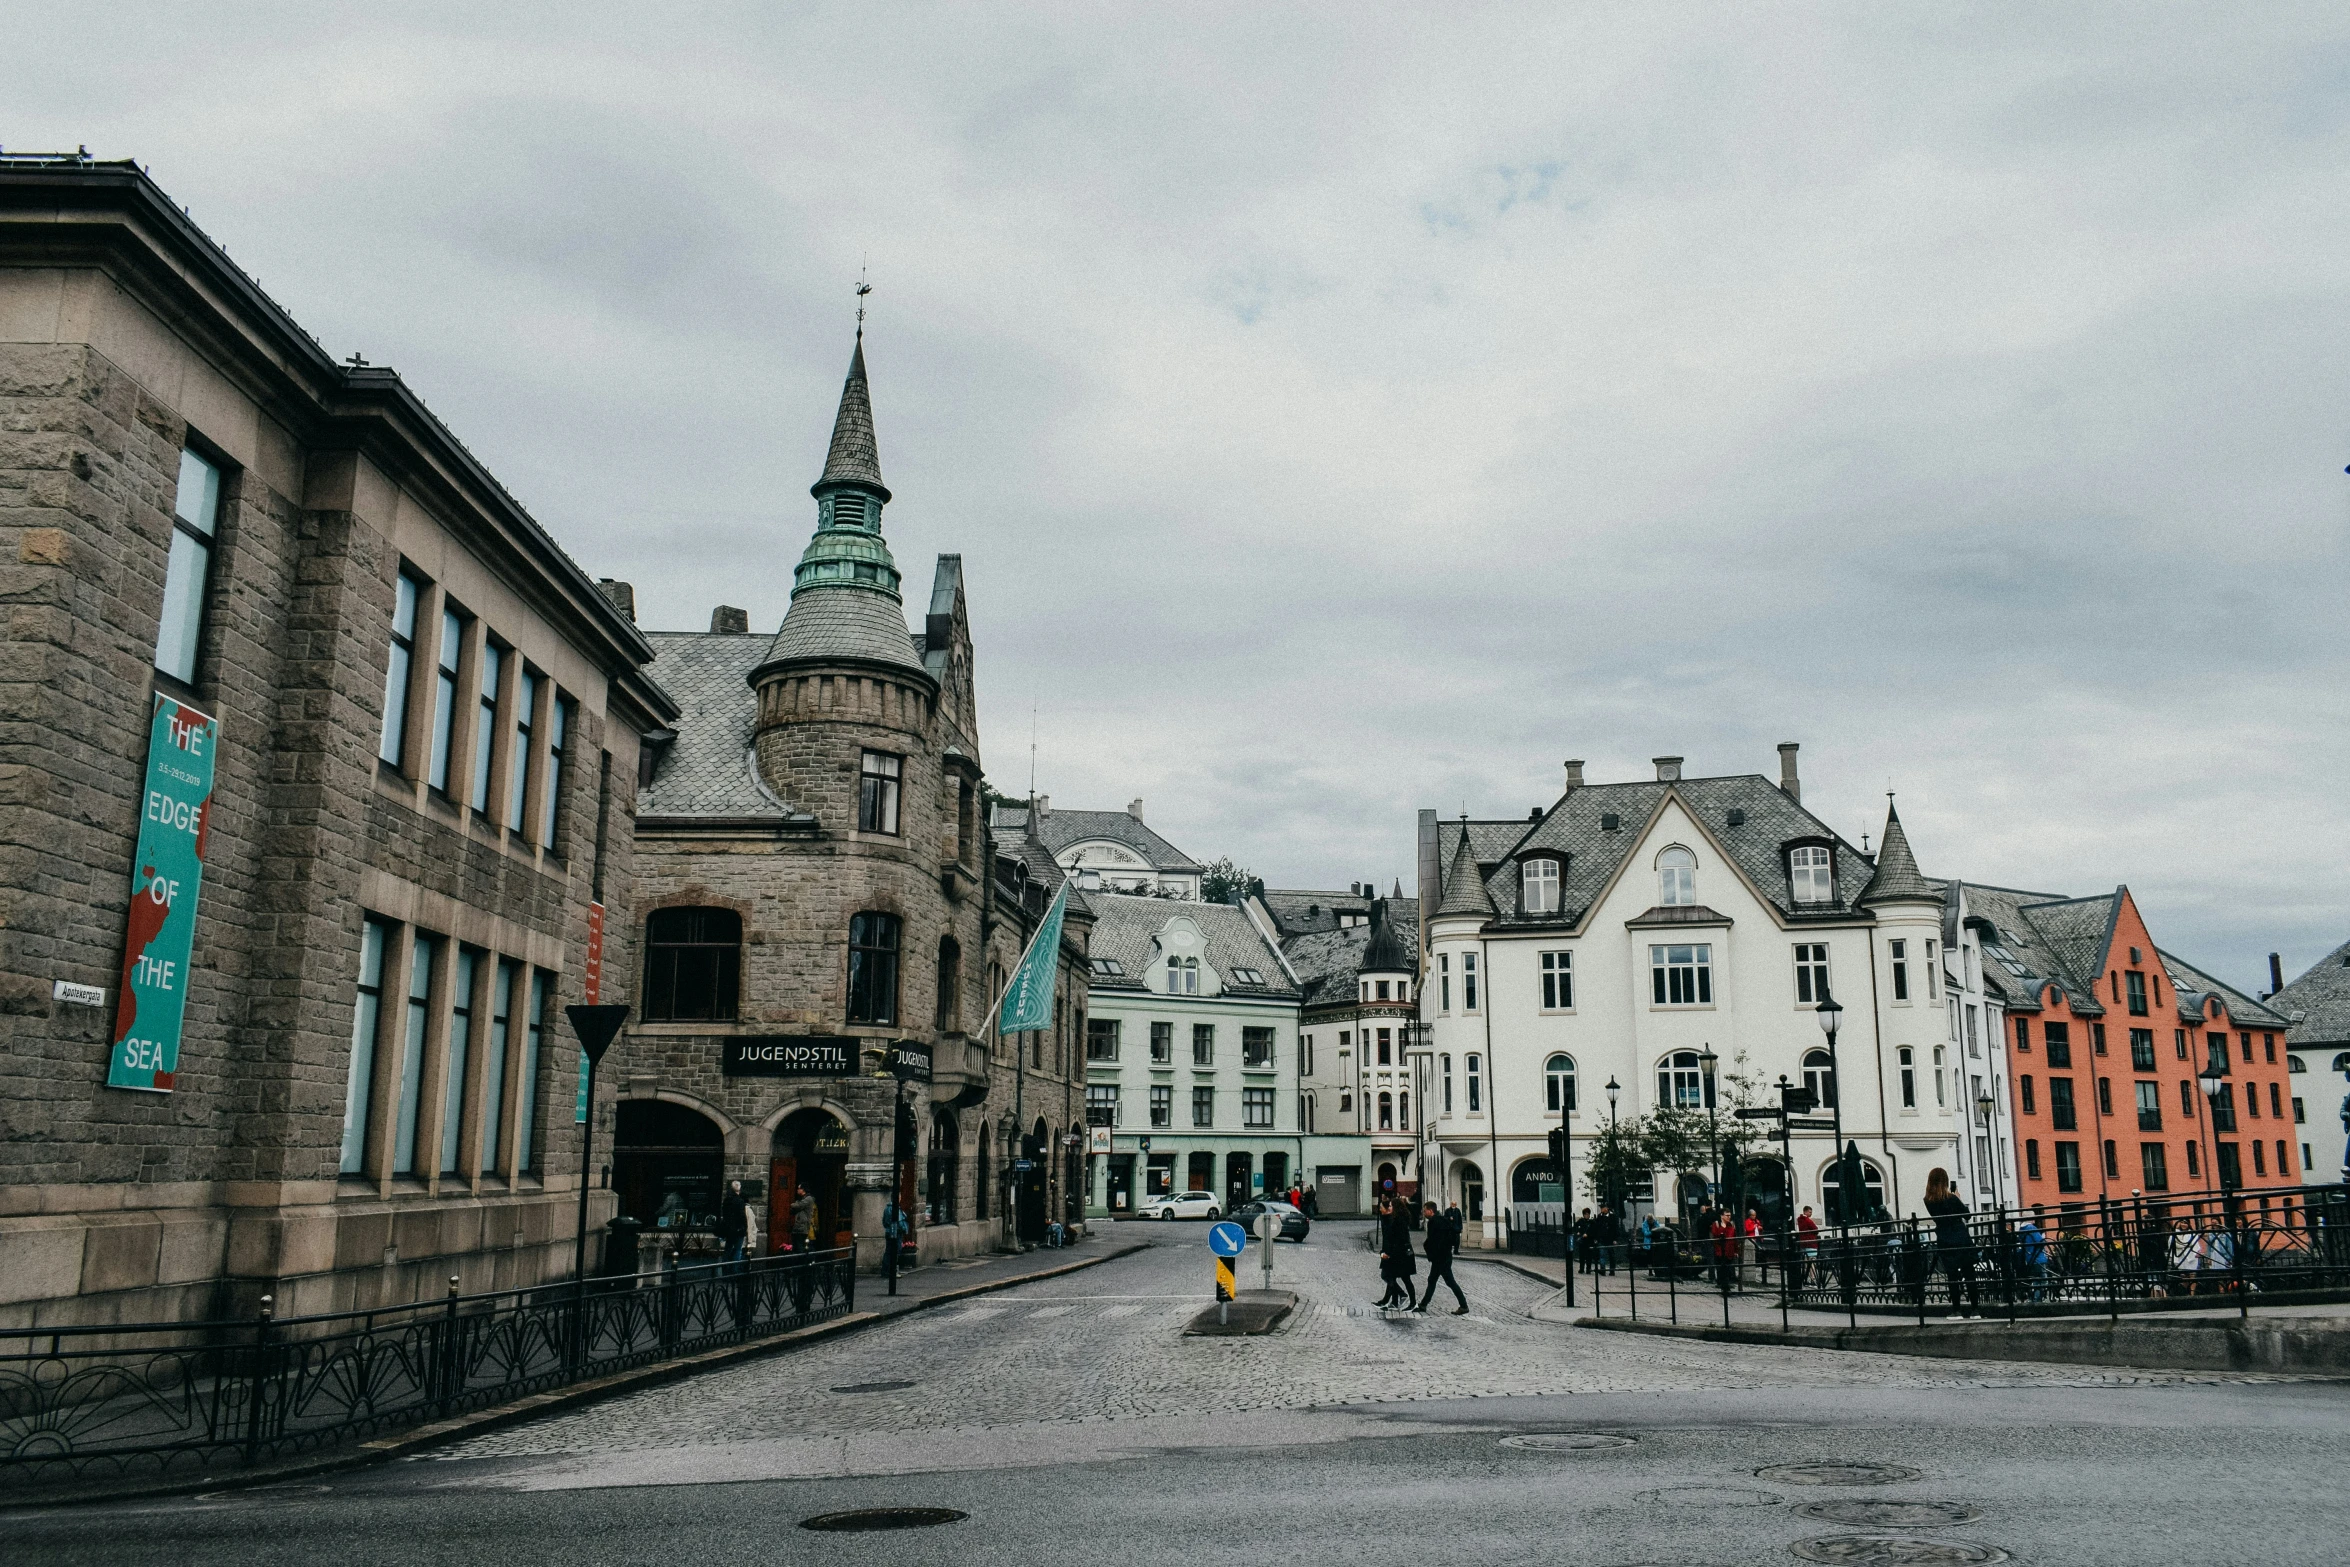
(1492, 1116)
(1877, 1049)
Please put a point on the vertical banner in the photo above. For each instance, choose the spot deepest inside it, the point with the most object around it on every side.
(175, 812)
(591, 974)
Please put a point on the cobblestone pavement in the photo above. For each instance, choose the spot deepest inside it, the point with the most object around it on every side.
(1107, 1345)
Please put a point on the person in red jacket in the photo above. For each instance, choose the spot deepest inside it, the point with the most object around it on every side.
(1807, 1243)
(1725, 1248)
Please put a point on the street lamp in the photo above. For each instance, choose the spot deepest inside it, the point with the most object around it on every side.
(1713, 1126)
(1831, 1017)
(1615, 1150)
(2212, 1080)
(1983, 1106)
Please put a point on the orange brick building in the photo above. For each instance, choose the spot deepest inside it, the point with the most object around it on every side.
(2107, 1036)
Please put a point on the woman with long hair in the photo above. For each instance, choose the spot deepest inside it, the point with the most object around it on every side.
(1954, 1242)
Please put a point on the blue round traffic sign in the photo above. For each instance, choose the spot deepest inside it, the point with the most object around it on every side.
(1227, 1239)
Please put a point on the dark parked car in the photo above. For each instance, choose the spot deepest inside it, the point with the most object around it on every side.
(1293, 1221)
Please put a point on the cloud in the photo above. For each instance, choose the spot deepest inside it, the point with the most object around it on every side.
(1341, 413)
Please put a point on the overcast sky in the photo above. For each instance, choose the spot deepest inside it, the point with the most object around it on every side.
(1340, 413)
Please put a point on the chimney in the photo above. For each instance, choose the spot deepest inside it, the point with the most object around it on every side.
(1668, 769)
(726, 618)
(1574, 774)
(2276, 975)
(1044, 806)
(622, 595)
(1134, 807)
(1789, 785)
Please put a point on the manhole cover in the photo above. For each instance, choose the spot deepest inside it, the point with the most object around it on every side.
(1837, 1474)
(867, 1518)
(1709, 1496)
(1564, 1441)
(1893, 1550)
(872, 1387)
(1891, 1515)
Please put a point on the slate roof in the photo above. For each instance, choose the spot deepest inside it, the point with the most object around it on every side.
(1897, 876)
(1127, 925)
(1464, 882)
(706, 770)
(854, 457)
(1328, 962)
(1594, 853)
(2193, 985)
(2065, 940)
(828, 624)
(2322, 997)
(2020, 935)
(1059, 829)
(1302, 911)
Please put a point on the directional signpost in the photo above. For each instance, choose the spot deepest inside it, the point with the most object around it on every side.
(1227, 1240)
(1268, 1231)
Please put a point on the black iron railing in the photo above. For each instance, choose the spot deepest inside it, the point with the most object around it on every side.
(153, 1399)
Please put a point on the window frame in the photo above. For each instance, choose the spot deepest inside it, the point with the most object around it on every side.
(1811, 973)
(440, 756)
(1258, 1109)
(880, 792)
(203, 541)
(1544, 874)
(1676, 881)
(658, 1002)
(1802, 871)
(408, 590)
(1558, 1083)
(1665, 974)
(874, 965)
(1557, 969)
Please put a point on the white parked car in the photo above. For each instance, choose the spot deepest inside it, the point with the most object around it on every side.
(1181, 1205)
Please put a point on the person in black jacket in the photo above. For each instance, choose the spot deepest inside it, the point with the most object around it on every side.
(1395, 1254)
(734, 1220)
(1443, 1238)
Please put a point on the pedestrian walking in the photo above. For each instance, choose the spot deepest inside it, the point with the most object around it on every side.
(1440, 1240)
(1954, 1243)
(734, 1220)
(1807, 1244)
(803, 1221)
(1607, 1233)
(1395, 1254)
(1725, 1235)
(1581, 1241)
(894, 1230)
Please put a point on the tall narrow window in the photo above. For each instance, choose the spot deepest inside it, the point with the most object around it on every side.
(1933, 974)
(1676, 877)
(693, 965)
(558, 732)
(1386, 1047)
(1898, 951)
(2062, 1113)
(1469, 981)
(526, 706)
(460, 1052)
(2136, 983)
(1387, 1112)
(1558, 1084)
(950, 991)
(1162, 1044)
(526, 1140)
(1819, 1075)
(358, 1090)
(1558, 981)
(1940, 1060)
(195, 514)
(394, 745)
(1444, 981)
(873, 968)
(1811, 972)
(2068, 1167)
(1909, 1077)
(1203, 1044)
(1809, 870)
(1539, 886)
(485, 727)
(493, 1082)
(412, 1055)
(1444, 1077)
(2058, 1040)
(444, 715)
(2149, 1107)
(1473, 1076)
(877, 793)
(1203, 1104)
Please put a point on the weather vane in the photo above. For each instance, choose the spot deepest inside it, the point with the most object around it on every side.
(863, 288)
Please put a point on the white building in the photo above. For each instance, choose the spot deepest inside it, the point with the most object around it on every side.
(1360, 977)
(2317, 1062)
(1107, 851)
(1191, 1056)
(1632, 931)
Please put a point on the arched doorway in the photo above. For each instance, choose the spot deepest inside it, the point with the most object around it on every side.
(1469, 1190)
(1535, 1180)
(811, 1150)
(667, 1163)
(1765, 1190)
(1386, 1181)
(1691, 1191)
(1028, 1203)
(946, 1162)
(1872, 1205)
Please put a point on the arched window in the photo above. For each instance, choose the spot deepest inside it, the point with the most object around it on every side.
(1819, 1075)
(1810, 870)
(1676, 877)
(1558, 1083)
(2342, 1062)
(873, 968)
(1183, 976)
(1387, 1112)
(693, 965)
(1681, 1081)
(950, 984)
(1538, 887)
(1872, 1181)
(2294, 1063)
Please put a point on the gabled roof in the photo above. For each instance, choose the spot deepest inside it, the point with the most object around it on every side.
(2194, 986)
(2321, 997)
(1126, 930)
(2079, 933)
(2064, 941)
(708, 770)
(1302, 911)
(1576, 829)
(2020, 936)
(1060, 829)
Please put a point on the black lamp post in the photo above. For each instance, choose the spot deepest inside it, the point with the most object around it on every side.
(1616, 1149)
(1831, 1017)
(1988, 1153)
(2212, 1080)
(1713, 1125)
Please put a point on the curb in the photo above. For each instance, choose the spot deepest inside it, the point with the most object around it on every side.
(384, 1449)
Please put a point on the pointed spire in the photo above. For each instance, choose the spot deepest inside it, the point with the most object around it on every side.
(1898, 878)
(1382, 952)
(1464, 888)
(854, 458)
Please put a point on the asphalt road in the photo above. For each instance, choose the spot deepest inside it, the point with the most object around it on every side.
(1070, 1421)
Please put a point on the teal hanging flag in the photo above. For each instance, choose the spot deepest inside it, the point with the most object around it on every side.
(1028, 999)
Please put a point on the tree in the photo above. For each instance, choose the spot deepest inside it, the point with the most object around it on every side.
(1225, 882)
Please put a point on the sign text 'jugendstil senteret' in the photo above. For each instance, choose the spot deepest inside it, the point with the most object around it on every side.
(792, 1055)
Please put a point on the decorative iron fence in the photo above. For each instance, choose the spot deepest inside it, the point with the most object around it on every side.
(153, 1399)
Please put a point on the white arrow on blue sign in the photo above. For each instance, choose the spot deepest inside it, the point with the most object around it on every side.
(1227, 1239)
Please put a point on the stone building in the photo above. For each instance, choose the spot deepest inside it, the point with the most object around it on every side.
(829, 917)
(319, 747)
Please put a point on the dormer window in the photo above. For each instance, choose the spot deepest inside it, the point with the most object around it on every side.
(1183, 976)
(1538, 886)
(1811, 872)
(1676, 878)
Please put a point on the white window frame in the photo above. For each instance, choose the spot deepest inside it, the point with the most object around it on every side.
(1676, 877)
(1811, 973)
(1811, 874)
(1538, 886)
(1558, 981)
(1667, 987)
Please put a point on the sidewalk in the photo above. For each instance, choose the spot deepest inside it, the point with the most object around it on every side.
(933, 1284)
